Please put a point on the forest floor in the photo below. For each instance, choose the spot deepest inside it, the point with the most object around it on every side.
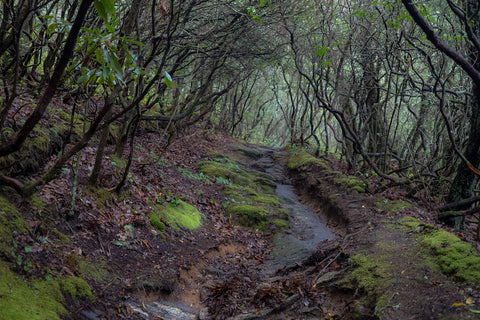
(387, 258)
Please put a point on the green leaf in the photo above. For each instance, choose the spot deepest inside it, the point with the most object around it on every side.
(109, 6)
(116, 66)
(102, 12)
(106, 72)
(28, 249)
(52, 28)
(321, 51)
(88, 30)
(475, 311)
(110, 28)
(135, 42)
(168, 80)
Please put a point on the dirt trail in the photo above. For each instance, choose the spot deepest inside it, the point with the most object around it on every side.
(307, 229)
(371, 270)
(288, 249)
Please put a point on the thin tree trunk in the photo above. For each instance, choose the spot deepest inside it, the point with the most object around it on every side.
(47, 96)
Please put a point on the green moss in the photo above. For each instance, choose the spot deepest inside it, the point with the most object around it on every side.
(370, 273)
(392, 206)
(352, 183)
(182, 215)
(251, 196)
(249, 216)
(408, 224)
(89, 268)
(255, 204)
(444, 251)
(77, 288)
(226, 170)
(453, 256)
(303, 158)
(253, 153)
(155, 222)
(23, 299)
(10, 221)
(382, 302)
(118, 161)
(60, 236)
(266, 200)
(6, 207)
(40, 143)
(281, 223)
(37, 202)
(411, 222)
(100, 195)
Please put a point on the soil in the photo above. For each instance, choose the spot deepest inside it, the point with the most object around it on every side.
(222, 271)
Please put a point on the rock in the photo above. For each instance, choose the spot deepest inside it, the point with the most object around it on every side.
(327, 277)
(163, 310)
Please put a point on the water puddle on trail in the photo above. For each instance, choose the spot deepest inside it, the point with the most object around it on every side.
(301, 240)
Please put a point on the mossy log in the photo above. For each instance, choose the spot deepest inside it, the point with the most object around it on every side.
(455, 219)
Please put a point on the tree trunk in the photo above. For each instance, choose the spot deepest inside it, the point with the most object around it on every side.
(97, 167)
(44, 101)
(465, 180)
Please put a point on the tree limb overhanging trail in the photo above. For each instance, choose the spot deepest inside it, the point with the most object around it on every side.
(47, 96)
(439, 43)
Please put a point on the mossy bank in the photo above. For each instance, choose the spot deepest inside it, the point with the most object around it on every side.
(249, 194)
(31, 297)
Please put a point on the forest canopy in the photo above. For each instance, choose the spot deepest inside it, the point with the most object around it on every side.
(392, 86)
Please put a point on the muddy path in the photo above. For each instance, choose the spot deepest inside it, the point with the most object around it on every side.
(343, 257)
(287, 251)
(307, 229)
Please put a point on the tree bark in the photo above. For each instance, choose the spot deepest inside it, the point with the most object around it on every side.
(465, 179)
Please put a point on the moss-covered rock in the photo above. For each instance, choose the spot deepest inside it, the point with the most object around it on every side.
(100, 195)
(35, 299)
(226, 170)
(303, 162)
(156, 222)
(370, 274)
(302, 158)
(247, 215)
(453, 256)
(90, 268)
(253, 153)
(252, 202)
(29, 300)
(445, 251)
(76, 287)
(352, 182)
(42, 143)
(249, 195)
(179, 215)
(37, 202)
